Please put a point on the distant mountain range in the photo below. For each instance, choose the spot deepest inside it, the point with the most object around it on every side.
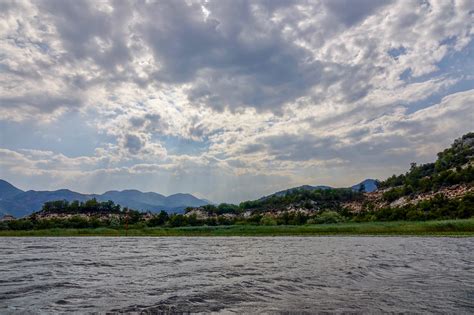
(19, 203)
(369, 186)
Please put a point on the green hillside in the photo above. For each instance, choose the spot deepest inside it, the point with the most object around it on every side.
(453, 166)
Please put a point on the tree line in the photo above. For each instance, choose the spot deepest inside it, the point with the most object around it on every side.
(434, 209)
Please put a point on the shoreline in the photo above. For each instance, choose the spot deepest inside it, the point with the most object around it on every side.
(445, 228)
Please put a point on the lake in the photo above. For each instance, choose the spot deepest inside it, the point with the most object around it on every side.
(237, 274)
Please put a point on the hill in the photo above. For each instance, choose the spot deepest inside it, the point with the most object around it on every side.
(369, 185)
(7, 190)
(453, 166)
(295, 189)
(20, 203)
(27, 202)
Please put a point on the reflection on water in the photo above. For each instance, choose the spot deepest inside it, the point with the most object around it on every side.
(279, 274)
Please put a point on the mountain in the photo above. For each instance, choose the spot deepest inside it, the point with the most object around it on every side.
(131, 194)
(290, 190)
(21, 203)
(27, 202)
(135, 199)
(370, 185)
(178, 199)
(151, 201)
(7, 190)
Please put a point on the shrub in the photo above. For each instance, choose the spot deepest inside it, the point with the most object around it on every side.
(328, 217)
(267, 220)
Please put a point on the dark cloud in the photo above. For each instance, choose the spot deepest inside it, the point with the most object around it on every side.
(99, 42)
(234, 58)
(137, 122)
(350, 12)
(253, 148)
(133, 143)
(239, 57)
(89, 33)
(150, 123)
(197, 130)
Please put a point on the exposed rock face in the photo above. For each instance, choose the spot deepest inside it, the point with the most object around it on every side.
(451, 192)
(354, 206)
(102, 216)
(290, 209)
(399, 202)
(376, 199)
(200, 214)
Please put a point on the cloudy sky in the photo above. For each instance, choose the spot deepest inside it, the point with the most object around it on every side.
(229, 100)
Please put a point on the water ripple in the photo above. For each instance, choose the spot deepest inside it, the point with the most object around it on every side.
(237, 275)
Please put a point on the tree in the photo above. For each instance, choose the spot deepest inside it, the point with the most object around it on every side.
(159, 219)
(177, 220)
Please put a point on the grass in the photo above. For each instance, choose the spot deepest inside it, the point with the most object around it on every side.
(426, 228)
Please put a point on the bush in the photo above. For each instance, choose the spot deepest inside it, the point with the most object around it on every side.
(159, 219)
(177, 220)
(3, 226)
(393, 194)
(328, 217)
(22, 224)
(267, 220)
(415, 215)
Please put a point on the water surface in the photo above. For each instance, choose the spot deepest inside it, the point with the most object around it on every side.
(237, 274)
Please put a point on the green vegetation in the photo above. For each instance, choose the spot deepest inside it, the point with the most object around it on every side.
(75, 207)
(453, 166)
(308, 199)
(438, 208)
(428, 228)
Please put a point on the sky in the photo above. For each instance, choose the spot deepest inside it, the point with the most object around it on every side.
(229, 100)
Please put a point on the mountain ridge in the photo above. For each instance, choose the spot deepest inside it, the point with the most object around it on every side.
(20, 203)
(8, 190)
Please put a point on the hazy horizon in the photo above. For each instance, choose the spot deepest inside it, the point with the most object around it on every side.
(229, 100)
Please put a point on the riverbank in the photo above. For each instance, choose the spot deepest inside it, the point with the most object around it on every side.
(425, 228)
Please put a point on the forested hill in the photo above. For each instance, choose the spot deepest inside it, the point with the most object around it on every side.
(454, 165)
